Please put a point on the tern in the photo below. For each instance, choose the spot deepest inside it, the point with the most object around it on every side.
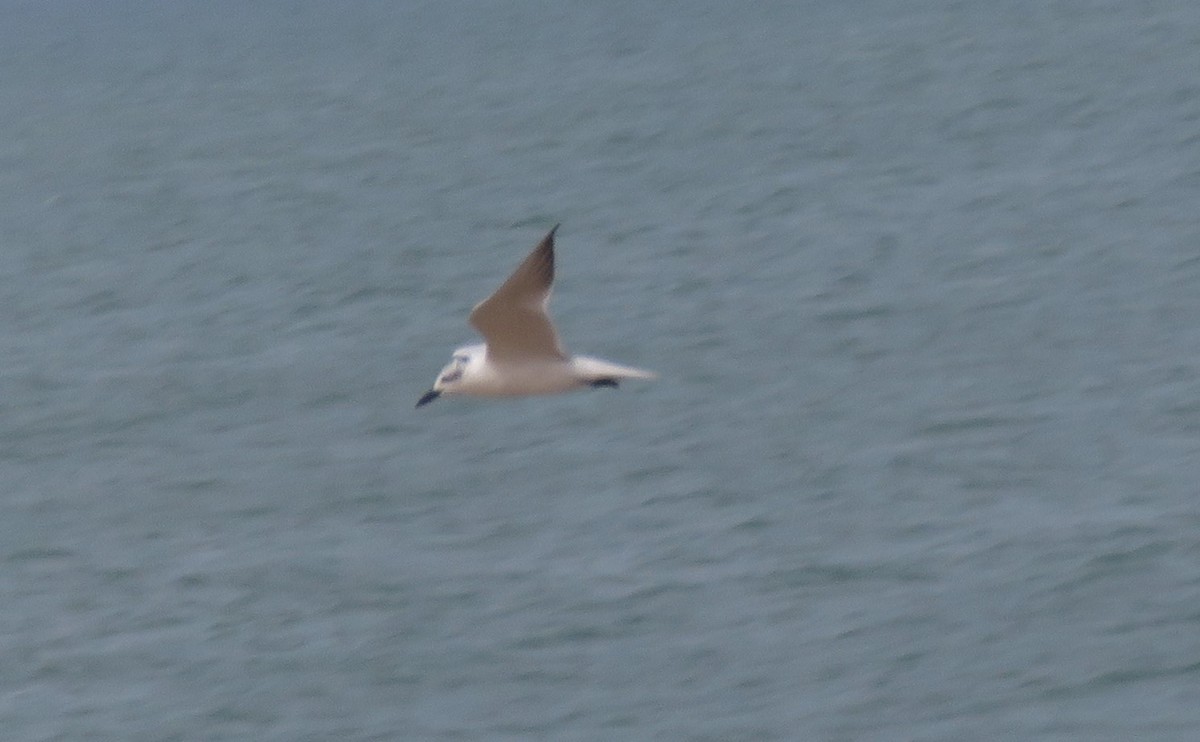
(523, 355)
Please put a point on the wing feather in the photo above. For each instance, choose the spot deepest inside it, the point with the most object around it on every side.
(514, 320)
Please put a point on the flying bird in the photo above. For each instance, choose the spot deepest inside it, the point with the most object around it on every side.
(523, 355)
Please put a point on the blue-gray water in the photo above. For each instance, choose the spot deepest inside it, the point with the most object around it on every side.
(922, 281)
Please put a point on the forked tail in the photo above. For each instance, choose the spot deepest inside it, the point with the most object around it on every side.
(605, 373)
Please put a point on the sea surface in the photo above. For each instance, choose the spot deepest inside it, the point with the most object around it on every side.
(921, 280)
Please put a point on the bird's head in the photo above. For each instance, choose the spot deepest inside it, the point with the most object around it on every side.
(449, 378)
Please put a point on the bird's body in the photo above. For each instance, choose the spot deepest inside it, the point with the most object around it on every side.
(523, 355)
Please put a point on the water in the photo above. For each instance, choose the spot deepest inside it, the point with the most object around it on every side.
(921, 280)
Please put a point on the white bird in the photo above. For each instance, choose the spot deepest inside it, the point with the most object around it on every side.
(522, 355)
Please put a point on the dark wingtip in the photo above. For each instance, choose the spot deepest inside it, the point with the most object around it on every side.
(428, 397)
(542, 258)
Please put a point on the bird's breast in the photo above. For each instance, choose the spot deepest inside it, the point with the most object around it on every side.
(515, 380)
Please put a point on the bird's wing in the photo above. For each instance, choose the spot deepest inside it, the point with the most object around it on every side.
(514, 320)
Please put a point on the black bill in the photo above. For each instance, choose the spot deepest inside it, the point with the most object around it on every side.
(428, 397)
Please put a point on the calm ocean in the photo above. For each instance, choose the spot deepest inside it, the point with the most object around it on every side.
(921, 279)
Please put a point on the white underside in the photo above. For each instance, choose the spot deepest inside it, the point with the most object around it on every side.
(484, 378)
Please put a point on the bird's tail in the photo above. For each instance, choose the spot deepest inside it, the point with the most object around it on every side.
(594, 369)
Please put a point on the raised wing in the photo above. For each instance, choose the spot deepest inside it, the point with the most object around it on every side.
(514, 320)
